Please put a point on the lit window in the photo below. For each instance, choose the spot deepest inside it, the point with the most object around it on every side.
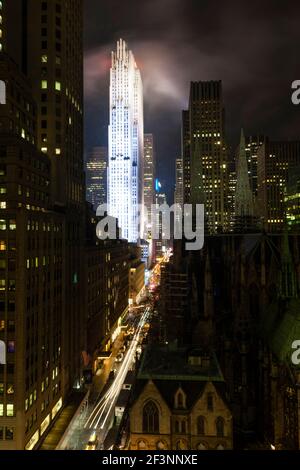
(58, 151)
(2, 224)
(57, 86)
(44, 59)
(10, 410)
(12, 224)
(1, 409)
(2, 245)
(44, 149)
(44, 84)
(2, 205)
(2, 284)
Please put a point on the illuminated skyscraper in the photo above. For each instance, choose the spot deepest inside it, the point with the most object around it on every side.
(275, 161)
(96, 177)
(160, 245)
(244, 208)
(178, 195)
(292, 199)
(126, 142)
(149, 171)
(205, 154)
(42, 310)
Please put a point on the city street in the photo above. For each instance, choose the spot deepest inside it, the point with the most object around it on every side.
(99, 416)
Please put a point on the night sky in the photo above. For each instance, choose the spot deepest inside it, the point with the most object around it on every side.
(253, 47)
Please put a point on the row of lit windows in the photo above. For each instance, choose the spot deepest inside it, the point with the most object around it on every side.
(11, 285)
(7, 410)
(57, 85)
(4, 224)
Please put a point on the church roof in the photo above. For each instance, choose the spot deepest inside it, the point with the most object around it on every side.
(281, 327)
(172, 363)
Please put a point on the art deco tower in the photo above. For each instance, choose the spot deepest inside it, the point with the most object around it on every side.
(126, 142)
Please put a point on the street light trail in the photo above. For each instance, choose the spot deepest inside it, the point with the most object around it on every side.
(104, 407)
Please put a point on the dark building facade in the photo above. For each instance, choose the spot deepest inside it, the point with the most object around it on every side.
(42, 215)
(205, 154)
(274, 162)
(96, 177)
(244, 304)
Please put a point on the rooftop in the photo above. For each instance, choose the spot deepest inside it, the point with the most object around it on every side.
(169, 362)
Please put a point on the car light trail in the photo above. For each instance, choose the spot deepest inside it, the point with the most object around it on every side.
(102, 410)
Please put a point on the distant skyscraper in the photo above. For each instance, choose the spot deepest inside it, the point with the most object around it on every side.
(126, 142)
(185, 152)
(244, 209)
(252, 145)
(178, 195)
(160, 200)
(292, 200)
(149, 194)
(96, 177)
(231, 195)
(209, 162)
(274, 162)
(149, 171)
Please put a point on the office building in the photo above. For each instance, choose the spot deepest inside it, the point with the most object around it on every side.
(292, 200)
(253, 143)
(107, 289)
(42, 215)
(32, 266)
(149, 172)
(126, 142)
(96, 177)
(160, 244)
(244, 206)
(179, 189)
(185, 152)
(205, 154)
(274, 162)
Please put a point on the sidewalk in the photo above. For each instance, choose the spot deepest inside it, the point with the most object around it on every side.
(58, 429)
